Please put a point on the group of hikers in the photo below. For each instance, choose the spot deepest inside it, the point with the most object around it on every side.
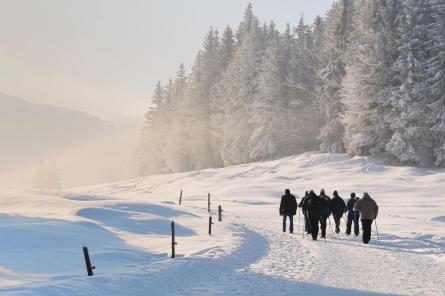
(316, 210)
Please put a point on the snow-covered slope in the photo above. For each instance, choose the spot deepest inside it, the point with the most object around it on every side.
(126, 226)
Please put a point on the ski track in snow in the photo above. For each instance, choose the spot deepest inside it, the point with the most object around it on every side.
(343, 262)
(247, 254)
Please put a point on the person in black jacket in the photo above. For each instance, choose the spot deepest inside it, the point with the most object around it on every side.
(325, 202)
(338, 208)
(288, 208)
(313, 205)
(305, 214)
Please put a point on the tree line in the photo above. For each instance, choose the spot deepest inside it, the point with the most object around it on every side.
(368, 78)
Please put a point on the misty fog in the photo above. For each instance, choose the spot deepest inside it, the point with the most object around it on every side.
(77, 78)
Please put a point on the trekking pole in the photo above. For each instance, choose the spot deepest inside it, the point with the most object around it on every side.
(377, 230)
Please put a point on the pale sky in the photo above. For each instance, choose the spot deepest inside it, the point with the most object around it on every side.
(104, 56)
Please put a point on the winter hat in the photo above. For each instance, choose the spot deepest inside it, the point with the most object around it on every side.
(365, 194)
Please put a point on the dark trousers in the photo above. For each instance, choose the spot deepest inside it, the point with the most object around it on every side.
(366, 227)
(354, 219)
(337, 220)
(291, 223)
(314, 227)
(323, 225)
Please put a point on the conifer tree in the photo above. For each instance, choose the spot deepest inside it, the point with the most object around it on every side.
(411, 142)
(335, 43)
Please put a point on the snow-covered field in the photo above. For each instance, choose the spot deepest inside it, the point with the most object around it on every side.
(126, 226)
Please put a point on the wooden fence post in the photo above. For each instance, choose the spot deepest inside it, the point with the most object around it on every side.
(219, 213)
(208, 202)
(210, 225)
(180, 197)
(174, 243)
(88, 261)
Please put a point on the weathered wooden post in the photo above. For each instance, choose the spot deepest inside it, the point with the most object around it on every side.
(174, 243)
(88, 261)
(210, 225)
(208, 202)
(219, 213)
(180, 197)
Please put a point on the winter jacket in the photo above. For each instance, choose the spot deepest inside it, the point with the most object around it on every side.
(313, 206)
(367, 207)
(338, 206)
(302, 204)
(350, 206)
(288, 205)
(325, 205)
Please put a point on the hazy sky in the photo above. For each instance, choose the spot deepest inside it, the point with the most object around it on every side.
(104, 56)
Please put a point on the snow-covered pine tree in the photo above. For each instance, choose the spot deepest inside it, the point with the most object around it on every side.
(302, 89)
(246, 24)
(225, 56)
(235, 92)
(369, 77)
(436, 78)
(227, 49)
(265, 110)
(410, 117)
(205, 73)
(177, 154)
(149, 149)
(338, 28)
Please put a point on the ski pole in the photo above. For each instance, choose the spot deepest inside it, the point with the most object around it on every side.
(377, 230)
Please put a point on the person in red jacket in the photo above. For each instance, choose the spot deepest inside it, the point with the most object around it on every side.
(288, 208)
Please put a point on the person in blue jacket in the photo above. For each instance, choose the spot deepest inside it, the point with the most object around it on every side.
(353, 216)
(325, 203)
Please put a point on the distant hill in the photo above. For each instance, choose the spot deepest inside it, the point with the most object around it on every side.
(31, 131)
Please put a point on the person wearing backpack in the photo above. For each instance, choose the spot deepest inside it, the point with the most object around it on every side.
(313, 205)
(368, 213)
(288, 208)
(325, 204)
(353, 216)
(338, 208)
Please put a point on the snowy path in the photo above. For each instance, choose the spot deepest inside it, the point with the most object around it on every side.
(343, 262)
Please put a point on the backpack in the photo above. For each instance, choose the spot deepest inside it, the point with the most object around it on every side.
(313, 204)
